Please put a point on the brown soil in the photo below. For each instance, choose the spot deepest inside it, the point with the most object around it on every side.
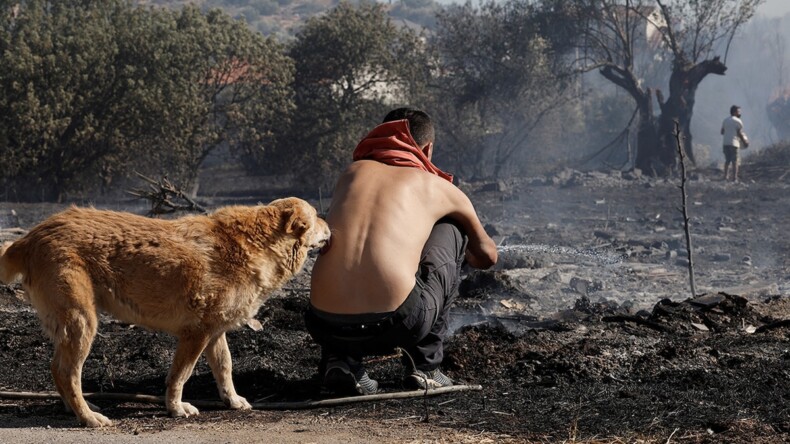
(583, 333)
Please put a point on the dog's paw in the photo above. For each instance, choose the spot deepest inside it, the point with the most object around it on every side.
(95, 420)
(237, 403)
(183, 410)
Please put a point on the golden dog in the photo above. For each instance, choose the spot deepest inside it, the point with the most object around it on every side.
(195, 277)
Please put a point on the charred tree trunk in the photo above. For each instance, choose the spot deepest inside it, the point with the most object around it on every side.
(646, 132)
(678, 107)
(647, 136)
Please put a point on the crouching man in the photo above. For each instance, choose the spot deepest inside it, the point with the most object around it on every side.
(400, 233)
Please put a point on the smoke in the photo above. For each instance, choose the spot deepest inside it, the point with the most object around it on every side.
(758, 71)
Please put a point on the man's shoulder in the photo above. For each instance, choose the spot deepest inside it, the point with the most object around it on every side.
(732, 120)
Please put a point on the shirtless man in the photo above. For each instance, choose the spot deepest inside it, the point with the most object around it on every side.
(400, 232)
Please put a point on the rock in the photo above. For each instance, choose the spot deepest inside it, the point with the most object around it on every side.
(566, 177)
(585, 287)
(554, 276)
(580, 285)
(701, 327)
(602, 234)
(514, 259)
(634, 174)
(721, 257)
(659, 245)
(724, 220)
(491, 230)
(498, 186)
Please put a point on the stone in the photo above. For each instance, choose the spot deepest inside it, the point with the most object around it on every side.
(721, 257)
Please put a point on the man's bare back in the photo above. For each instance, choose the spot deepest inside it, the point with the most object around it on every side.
(381, 217)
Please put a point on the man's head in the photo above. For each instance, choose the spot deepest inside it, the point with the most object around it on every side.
(735, 110)
(420, 126)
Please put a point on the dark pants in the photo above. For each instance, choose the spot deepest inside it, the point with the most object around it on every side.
(418, 326)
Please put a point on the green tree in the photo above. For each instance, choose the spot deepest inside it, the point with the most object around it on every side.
(496, 85)
(90, 91)
(352, 65)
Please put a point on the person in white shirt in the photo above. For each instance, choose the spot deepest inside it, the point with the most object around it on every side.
(734, 139)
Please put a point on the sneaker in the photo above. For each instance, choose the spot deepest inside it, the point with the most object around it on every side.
(431, 379)
(340, 378)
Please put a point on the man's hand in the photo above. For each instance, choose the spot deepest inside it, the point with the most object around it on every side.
(744, 139)
(482, 255)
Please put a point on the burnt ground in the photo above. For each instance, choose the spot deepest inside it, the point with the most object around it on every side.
(585, 332)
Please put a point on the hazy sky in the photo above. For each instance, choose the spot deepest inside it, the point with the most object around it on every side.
(769, 8)
(775, 7)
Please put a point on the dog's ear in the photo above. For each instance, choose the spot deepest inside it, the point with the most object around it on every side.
(296, 221)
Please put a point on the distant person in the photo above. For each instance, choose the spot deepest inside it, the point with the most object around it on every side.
(734, 140)
(400, 233)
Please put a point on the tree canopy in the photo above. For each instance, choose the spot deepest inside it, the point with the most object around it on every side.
(351, 65)
(495, 84)
(93, 90)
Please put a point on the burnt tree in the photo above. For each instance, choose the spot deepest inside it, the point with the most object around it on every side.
(647, 135)
(630, 42)
(678, 107)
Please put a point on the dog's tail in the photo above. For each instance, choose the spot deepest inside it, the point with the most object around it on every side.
(10, 267)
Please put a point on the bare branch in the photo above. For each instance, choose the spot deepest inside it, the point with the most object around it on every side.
(687, 230)
(161, 194)
(293, 405)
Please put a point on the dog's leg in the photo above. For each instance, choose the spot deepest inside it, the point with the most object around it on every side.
(73, 340)
(218, 357)
(190, 346)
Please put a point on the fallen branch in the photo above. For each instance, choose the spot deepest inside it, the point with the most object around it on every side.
(292, 405)
(161, 194)
(773, 325)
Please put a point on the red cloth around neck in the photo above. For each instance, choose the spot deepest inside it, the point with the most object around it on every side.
(392, 143)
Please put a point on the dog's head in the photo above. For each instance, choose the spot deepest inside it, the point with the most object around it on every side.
(299, 220)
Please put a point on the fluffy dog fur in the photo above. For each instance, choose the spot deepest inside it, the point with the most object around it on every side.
(195, 277)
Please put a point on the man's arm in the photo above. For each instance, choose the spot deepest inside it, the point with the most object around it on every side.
(742, 135)
(481, 250)
(744, 139)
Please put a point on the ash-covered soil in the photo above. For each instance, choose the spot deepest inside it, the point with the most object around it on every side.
(585, 332)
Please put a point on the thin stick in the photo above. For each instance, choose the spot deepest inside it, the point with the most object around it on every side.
(293, 405)
(671, 435)
(684, 209)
